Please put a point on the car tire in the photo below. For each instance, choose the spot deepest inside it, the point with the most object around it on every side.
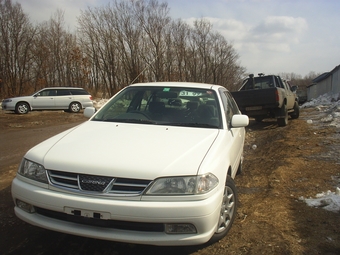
(22, 108)
(75, 107)
(282, 122)
(228, 210)
(296, 112)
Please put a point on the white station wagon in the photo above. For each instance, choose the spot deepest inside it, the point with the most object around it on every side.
(160, 168)
(53, 98)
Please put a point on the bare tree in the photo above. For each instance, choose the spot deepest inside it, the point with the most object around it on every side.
(121, 43)
(16, 38)
(154, 18)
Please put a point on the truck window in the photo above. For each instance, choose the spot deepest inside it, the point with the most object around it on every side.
(258, 83)
(278, 82)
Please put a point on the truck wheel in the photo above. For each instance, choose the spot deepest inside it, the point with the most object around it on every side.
(22, 108)
(282, 122)
(296, 112)
(228, 210)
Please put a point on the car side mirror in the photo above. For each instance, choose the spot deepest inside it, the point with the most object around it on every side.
(294, 88)
(89, 111)
(239, 120)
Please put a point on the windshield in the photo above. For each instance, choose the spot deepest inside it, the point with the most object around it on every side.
(177, 106)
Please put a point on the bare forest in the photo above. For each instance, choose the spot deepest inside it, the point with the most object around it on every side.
(113, 46)
(124, 42)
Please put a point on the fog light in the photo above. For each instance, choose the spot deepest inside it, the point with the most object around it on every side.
(25, 206)
(180, 228)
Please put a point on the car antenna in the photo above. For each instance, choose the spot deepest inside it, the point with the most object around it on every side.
(144, 70)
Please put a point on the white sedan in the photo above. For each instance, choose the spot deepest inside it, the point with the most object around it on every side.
(155, 165)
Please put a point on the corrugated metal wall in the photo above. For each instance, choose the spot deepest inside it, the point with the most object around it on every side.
(331, 84)
(336, 81)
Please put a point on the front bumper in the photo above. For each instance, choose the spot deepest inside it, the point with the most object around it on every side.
(8, 106)
(203, 214)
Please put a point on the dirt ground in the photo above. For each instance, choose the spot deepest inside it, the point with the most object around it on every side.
(288, 163)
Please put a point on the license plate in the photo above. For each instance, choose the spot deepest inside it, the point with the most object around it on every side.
(87, 213)
(253, 108)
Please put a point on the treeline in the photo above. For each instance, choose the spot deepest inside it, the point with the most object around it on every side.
(125, 42)
(298, 80)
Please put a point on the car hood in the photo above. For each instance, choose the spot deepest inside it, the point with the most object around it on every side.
(19, 98)
(126, 150)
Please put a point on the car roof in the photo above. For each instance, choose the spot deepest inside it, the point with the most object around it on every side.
(179, 84)
(61, 88)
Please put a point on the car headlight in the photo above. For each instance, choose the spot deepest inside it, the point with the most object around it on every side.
(183, 185)
(33, 171)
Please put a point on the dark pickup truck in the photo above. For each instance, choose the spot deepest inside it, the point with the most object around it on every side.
(267, 96)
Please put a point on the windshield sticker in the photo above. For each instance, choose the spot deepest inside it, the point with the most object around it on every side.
(190, 93)
(166, 89)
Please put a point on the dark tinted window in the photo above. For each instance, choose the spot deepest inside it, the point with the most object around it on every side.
(63, 92)
(78, 92)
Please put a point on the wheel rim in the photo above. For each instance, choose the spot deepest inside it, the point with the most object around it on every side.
(22, 108)
(227, 209)
(75, 107)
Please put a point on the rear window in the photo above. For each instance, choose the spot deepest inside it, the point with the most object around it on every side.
(259, 83)
(79, 92)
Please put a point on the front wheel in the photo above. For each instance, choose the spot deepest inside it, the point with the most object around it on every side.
(227, 211)
(22, 108)
(74, 107)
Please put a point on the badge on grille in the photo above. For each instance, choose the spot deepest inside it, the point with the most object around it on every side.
(93, 183)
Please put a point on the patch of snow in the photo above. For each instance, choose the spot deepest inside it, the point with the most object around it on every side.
(329, 107)
(329, 201)
(99, 102)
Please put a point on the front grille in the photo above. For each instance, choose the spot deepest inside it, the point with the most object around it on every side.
(114, 224)
(97, 184)
(94, 183)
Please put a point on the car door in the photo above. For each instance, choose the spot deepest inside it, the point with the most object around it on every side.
(63, 99)
(44, 99)
(237, 134)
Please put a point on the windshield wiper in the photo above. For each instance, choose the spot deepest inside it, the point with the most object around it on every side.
(131, 121)
(191, 124)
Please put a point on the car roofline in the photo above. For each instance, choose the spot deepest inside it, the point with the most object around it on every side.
(177, 84)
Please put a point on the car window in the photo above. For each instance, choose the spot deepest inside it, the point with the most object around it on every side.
(163, 106)
(78, 92)
(229, 105)
(47, 93)
(63, 92)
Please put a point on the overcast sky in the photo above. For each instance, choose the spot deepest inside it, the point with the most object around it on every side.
(270, 36)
